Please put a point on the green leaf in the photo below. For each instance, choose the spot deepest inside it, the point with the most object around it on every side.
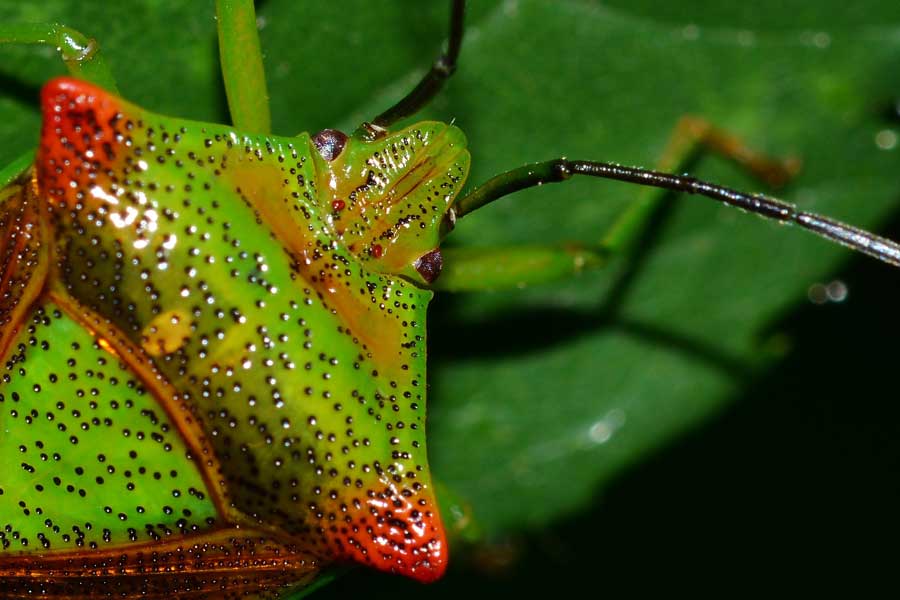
(690, 409)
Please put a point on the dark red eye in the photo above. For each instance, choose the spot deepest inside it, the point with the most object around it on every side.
(329, 143)
(429, 265)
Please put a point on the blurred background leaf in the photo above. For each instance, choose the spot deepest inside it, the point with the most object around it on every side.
(686, 417)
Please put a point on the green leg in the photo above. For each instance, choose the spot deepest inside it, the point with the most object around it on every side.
(242, 66)
(475, 269)
(466, 270)
(81, 56)
(80, 53)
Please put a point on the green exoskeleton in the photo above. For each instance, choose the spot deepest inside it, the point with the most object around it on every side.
(214, 337)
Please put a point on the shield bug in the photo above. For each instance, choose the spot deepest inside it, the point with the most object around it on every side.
(484, 387)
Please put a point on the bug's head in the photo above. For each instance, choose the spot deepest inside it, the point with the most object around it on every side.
(386, 198)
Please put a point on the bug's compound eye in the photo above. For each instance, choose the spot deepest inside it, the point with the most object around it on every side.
(429, 265)
(330, 143)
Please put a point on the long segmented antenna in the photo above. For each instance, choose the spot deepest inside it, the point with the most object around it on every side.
(558, 170)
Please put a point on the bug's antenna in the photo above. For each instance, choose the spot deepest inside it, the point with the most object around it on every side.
(554, 171)
(433, 81)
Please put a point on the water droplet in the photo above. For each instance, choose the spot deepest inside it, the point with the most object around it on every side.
(603, 430)
(886, 139)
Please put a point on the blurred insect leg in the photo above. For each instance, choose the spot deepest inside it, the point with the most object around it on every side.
(81, 56)
(692, 136)
(242, 66)
(430, 85)
(471, 269)
(474, 269)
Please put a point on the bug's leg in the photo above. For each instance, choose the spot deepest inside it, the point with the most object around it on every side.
(242, 66)
(475, 269)
(80, 54)
(430, 85)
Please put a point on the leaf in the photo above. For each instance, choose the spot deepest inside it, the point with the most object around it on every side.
(710, 411)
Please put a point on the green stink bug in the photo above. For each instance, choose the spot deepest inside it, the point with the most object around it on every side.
(555, 191)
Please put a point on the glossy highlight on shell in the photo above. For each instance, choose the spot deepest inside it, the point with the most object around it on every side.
(205, 362)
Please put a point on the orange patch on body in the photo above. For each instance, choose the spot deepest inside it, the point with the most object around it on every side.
(396, 533)
(83, 127)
